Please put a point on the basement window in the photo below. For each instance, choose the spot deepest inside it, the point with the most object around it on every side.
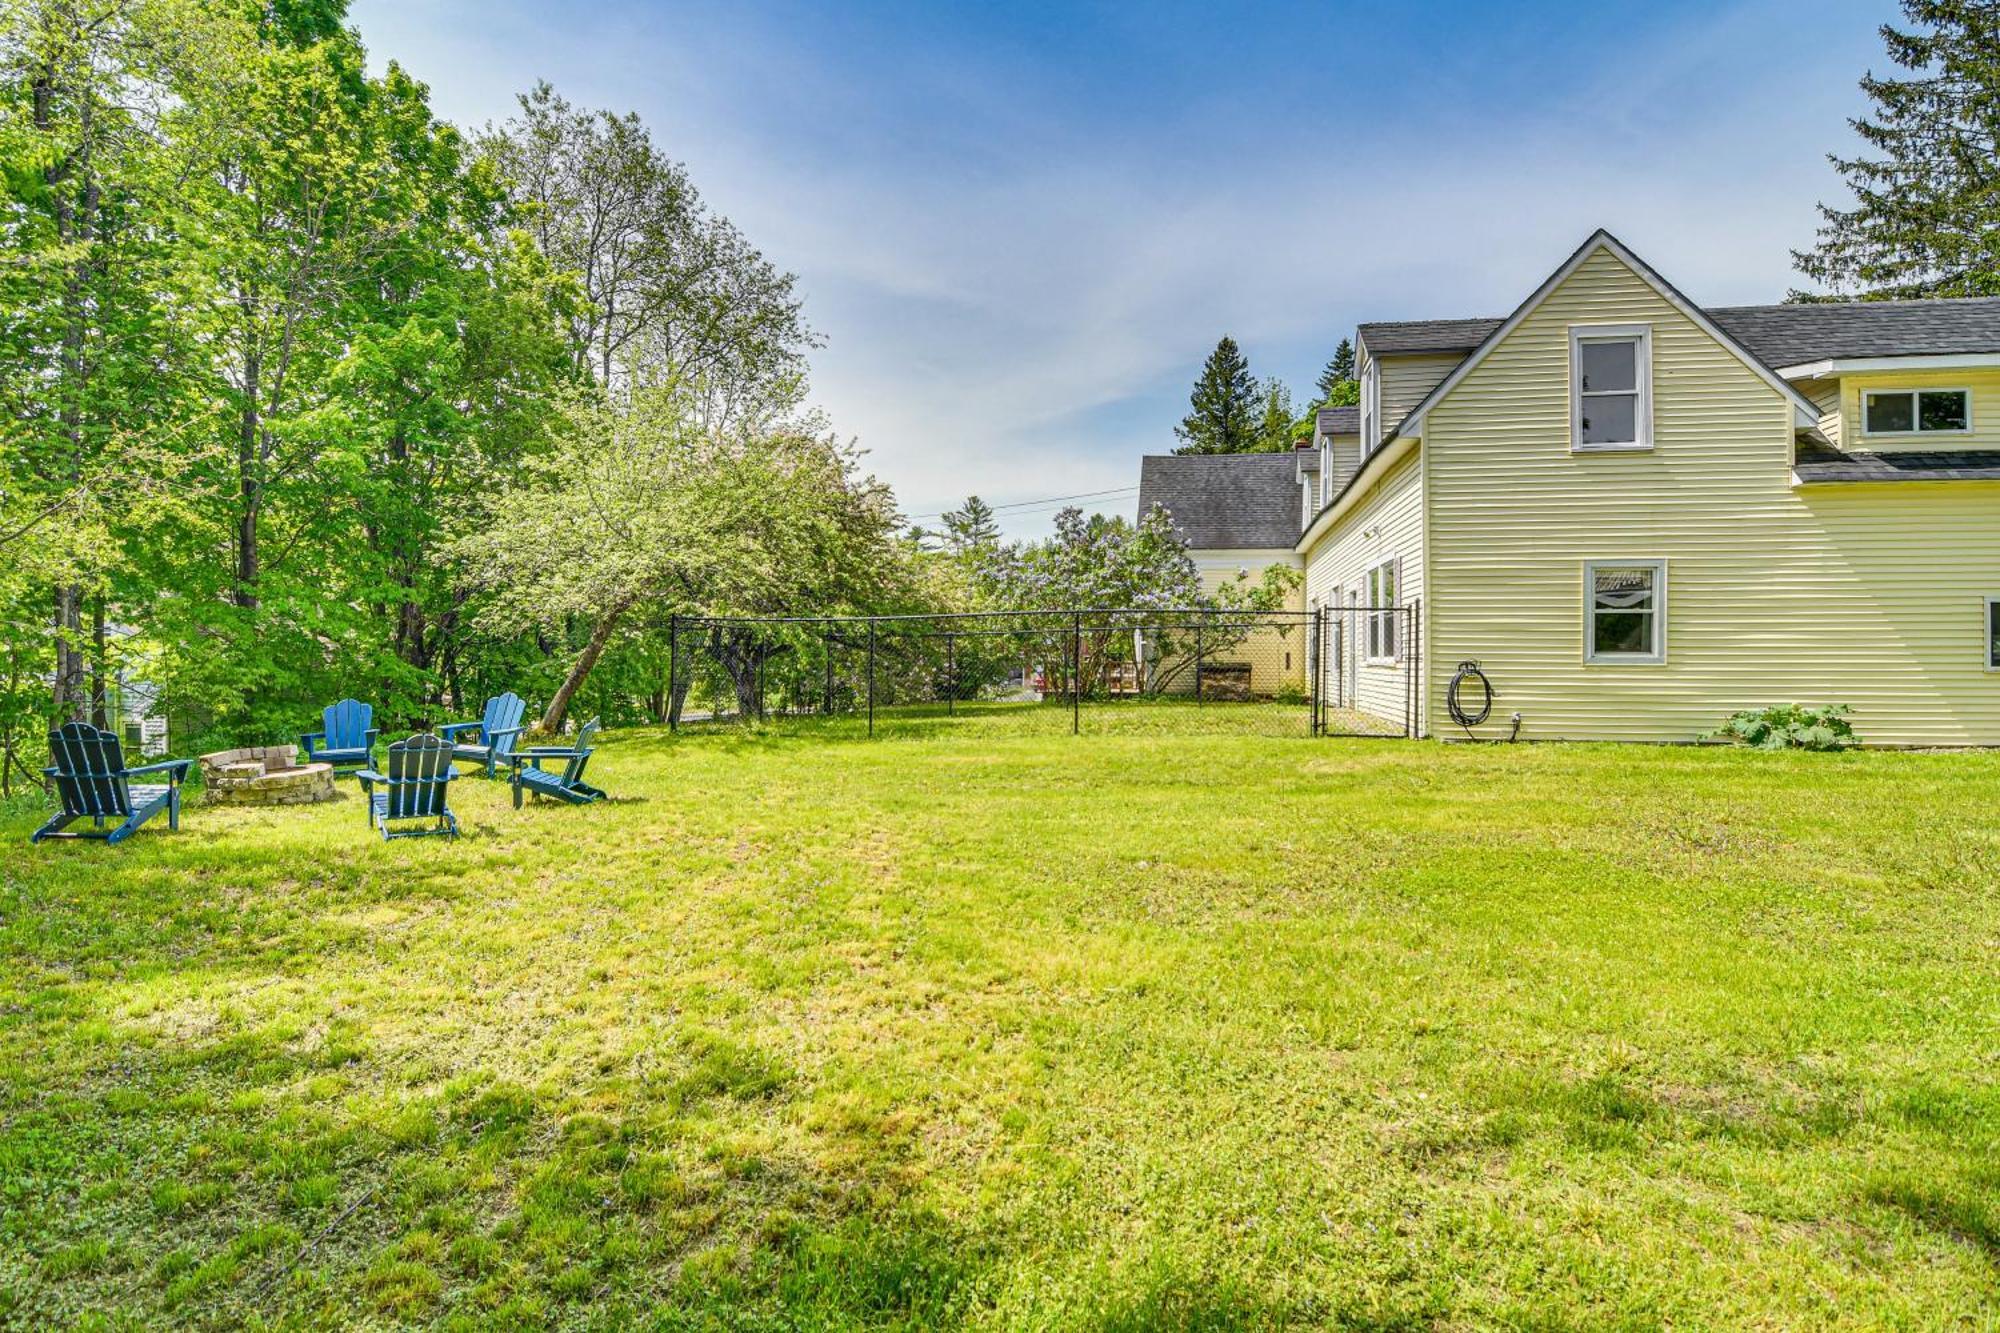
(1993, 634)
(1916, 412)
(1611, 387)
(1625, 611)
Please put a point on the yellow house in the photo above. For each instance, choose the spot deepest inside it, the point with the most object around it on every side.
(1239, 514)
(1638, 516)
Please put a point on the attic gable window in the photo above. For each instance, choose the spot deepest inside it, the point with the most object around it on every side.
(1611, 387)
(1916, 412)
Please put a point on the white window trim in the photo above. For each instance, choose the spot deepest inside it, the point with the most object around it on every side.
(1868, 434)
(1642, 334)
(1658, 657)
(1371, 407)
(1986, 656)
(1373, 615)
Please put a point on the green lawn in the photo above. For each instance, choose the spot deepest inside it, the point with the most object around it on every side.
(1114, 1033)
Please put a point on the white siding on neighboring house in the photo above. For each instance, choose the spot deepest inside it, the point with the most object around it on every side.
(1384, 524)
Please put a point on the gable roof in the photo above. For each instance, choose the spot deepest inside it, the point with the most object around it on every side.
(1807, 413)
(1791, 335)
(1339, 421)
(1221, 501)
(1604, 240)
(1388, 337)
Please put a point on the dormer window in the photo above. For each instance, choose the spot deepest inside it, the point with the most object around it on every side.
(1916, 412)
(1611, 387)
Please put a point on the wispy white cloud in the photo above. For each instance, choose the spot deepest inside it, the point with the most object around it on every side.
(1018, 273)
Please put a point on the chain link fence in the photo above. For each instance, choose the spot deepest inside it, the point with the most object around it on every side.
(1278, 673)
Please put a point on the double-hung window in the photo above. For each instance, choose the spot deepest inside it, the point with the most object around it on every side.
(1382, 611)
(1625, 611)
(1993, 633)
(1611, 386)
(1916, 412)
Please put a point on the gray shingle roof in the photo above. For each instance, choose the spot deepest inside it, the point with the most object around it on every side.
(1789, 335)
(1426, 335)
(1818, 462)
(1225, 500)
(1339, 421)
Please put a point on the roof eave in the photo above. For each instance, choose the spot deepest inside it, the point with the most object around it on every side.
(1859, 365)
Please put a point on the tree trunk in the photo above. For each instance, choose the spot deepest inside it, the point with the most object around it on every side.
(100, 674)
(249, 499)
(72, 701)
(558, 709)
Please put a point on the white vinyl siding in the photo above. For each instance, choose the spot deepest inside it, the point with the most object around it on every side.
(1384, 524)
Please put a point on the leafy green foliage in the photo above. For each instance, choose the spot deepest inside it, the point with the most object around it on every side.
(1792, 727)
(1925, 216)
(273, 336)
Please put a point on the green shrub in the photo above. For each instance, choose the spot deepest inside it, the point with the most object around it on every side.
(1792, 727)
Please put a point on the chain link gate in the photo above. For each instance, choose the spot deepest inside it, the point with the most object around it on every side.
(1368, 671)
(1095, 671)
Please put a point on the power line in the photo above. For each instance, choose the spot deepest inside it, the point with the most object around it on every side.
(1053, 499)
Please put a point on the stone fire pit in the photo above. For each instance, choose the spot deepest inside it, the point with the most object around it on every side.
(264, 775)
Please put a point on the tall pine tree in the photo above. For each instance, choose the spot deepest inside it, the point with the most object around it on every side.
(1338, 371)
(1926, 214)
(1223, 411)
(1337, 385)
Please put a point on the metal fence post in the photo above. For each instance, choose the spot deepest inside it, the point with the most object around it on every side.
(950, 673)
(1197, 658)
(673, 669)
(1075, 673)
(826, 648)
(1313, 665)
(871, 677)
(1417, 666)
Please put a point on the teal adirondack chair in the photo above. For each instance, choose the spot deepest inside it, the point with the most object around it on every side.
(93, 783)
(530, 777)
(346, 738)
(419, 771)
(495, 732)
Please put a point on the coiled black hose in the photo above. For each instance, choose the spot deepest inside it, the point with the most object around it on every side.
(1454, 701)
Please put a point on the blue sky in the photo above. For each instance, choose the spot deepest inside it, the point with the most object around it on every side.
(1020, 227)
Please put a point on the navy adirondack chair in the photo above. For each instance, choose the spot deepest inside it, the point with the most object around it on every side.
(530, 777)
(346, 738)
(494, 734)
(88, 767)
(419, 771)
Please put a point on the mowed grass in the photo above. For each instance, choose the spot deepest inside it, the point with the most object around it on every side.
(1113, 1033)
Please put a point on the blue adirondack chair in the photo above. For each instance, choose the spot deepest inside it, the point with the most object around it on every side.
(93, 783)
(494, 734)
(346, 738)
(529, 776)
(419, 771)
